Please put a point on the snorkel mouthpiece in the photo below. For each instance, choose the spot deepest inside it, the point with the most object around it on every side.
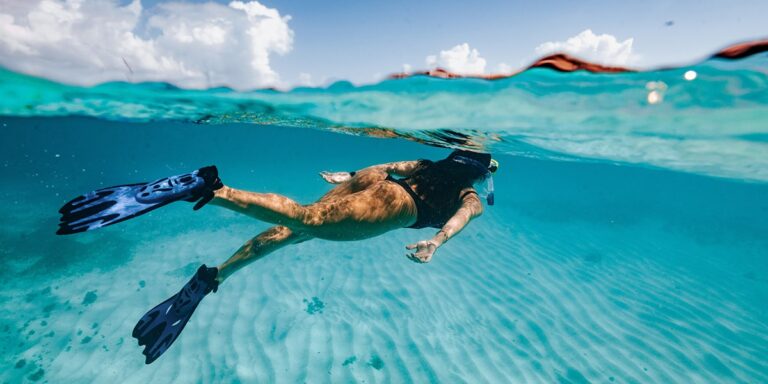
(487, 174)
(489, 189)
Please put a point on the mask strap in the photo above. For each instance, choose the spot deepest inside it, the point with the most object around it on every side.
(466, 160)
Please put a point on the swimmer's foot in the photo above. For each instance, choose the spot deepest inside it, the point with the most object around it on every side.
(108, 206)
(212, 182)
(162, 325)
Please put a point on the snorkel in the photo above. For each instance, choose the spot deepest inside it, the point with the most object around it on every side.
(486, 171)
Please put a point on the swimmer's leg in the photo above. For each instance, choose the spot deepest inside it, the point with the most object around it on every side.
(163, 324)
(263, 244)
(368, 213)
(268, 207)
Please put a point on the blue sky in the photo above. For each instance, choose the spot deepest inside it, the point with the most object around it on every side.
(357, 40)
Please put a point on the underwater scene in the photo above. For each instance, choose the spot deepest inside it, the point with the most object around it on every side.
(628, 242)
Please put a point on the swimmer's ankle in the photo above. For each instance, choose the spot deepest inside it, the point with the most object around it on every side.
(222, 192)
(220, 275)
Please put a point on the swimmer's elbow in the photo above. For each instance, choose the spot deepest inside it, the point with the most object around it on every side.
(472, 205)
(471, 211)
(475, 207)
(478, 211)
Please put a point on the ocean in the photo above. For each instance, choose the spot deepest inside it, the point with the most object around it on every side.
(628, 242)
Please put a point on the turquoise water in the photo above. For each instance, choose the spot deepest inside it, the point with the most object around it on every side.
(627, 244)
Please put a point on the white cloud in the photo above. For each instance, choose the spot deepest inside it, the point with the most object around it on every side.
(305, 80)
(604, 49)
(504, 69)
(191, 45)
(460, 59)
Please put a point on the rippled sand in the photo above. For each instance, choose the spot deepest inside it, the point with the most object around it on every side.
(581, 273)
(523, 301)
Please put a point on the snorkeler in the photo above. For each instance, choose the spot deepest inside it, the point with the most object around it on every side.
(364, 204)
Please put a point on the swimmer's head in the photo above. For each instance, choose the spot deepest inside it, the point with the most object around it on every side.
(483, 167)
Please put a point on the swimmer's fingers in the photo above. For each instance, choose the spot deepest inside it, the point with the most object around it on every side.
(412, 255)
(335, 177)
(326, 176)
(424, 251)
(416, 259)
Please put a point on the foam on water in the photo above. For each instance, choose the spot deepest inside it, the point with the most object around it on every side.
(582, 272)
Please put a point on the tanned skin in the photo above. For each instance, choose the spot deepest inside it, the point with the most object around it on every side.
(358, 207)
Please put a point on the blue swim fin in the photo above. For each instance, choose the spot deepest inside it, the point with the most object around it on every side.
(160, 327)
(112, 205)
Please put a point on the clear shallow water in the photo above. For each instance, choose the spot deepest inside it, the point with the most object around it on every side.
(585, 271)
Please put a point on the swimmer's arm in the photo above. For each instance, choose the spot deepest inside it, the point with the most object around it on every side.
(398, 168)
(471, 207)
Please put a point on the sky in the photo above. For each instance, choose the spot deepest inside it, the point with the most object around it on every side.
(285, 43)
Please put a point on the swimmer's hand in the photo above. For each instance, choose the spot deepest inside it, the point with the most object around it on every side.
(336, 177)
(424, 251)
